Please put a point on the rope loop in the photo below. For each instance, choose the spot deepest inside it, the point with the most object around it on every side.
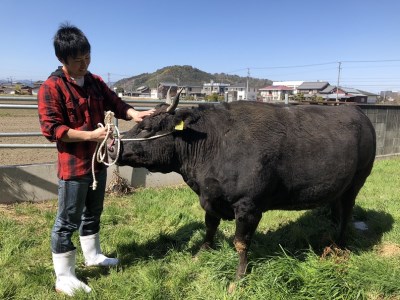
(100, 154)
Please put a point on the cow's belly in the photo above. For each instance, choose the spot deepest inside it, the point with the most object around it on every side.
(307, 196)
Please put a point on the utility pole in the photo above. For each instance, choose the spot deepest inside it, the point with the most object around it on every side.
(108, 77)
(247, 84)
(338, 79)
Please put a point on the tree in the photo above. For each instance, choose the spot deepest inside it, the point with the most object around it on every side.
(213, 97)
(119, 90)
(299, 97)
(17, 89)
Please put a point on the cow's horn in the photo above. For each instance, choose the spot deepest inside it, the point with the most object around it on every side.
(175, 101)
(168, 100)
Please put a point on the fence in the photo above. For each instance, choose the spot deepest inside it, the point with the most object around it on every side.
(386, 121)
(138, 104)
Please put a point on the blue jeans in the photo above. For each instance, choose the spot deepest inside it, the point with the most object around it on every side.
(79, 207)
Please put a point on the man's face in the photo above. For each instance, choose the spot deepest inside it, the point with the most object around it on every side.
(77, 66)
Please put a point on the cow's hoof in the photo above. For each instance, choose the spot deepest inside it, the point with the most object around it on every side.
(206, 246)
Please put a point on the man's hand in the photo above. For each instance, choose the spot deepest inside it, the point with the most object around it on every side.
(138, 116)
(99, 134)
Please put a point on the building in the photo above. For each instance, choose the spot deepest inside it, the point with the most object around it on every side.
(315, 91)
(345, 94)
(16, 88)
(240, 92)
(292, 84)
(275, 93)
(312, 88)
(191, 91)
(214, 88)
(163, 88)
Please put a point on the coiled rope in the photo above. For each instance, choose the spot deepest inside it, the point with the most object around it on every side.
(100, 154)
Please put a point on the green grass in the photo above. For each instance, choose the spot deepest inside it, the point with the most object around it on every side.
(157, 232)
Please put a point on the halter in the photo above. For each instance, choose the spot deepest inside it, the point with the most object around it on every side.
(101, 151)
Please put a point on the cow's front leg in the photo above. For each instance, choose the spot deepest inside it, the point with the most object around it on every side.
(212, 224)
(246, 225)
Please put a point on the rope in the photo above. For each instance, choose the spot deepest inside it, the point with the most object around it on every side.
(148, 138)
(100, 154)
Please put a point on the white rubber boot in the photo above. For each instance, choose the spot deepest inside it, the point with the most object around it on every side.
(92, 252)
(64, 266)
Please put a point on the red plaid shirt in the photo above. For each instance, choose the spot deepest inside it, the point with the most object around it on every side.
(62, 105)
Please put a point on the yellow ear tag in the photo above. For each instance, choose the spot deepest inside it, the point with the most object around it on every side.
(179, 126)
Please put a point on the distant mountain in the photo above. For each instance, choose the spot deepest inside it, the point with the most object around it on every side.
(185, 75)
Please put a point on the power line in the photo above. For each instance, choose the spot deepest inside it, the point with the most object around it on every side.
(296, 66)
(315, 64)
(370, 61)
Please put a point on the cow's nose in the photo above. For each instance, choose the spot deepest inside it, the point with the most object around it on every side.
(111, 150)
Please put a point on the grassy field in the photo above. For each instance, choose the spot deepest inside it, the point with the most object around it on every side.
(157, 232)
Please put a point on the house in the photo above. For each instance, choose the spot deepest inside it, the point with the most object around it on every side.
(7, 88)
(309, 87)
(191, 90)
(343, 94)
(215, 88)
(353, 94)
(16, 88)
(371, 97)
(275, 93)
(291, 83)
(240, 92)
(163, 88)
(36, 86)
(142, 92)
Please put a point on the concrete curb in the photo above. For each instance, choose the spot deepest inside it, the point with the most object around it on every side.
(39, 182)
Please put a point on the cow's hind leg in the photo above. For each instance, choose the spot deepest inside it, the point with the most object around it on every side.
(212, 224)
(346, 204)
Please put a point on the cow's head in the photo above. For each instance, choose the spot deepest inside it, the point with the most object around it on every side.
(150, 143)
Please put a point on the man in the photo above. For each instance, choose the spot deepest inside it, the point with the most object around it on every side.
(71, 102)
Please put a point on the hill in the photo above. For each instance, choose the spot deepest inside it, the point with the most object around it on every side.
(185, 75)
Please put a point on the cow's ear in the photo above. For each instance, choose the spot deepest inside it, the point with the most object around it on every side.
(181, 123)
(188, 116)
(183, 119)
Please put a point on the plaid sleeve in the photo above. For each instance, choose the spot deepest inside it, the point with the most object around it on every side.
(112, 101)
(50, 111)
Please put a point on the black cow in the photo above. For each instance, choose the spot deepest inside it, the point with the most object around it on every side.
(244, 158)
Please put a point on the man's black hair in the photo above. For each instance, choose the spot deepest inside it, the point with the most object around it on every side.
(70, 41)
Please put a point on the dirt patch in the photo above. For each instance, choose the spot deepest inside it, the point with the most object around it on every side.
(336, 253)
(389, 250)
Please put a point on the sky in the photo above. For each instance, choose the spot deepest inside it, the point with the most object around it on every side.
(277, 40)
